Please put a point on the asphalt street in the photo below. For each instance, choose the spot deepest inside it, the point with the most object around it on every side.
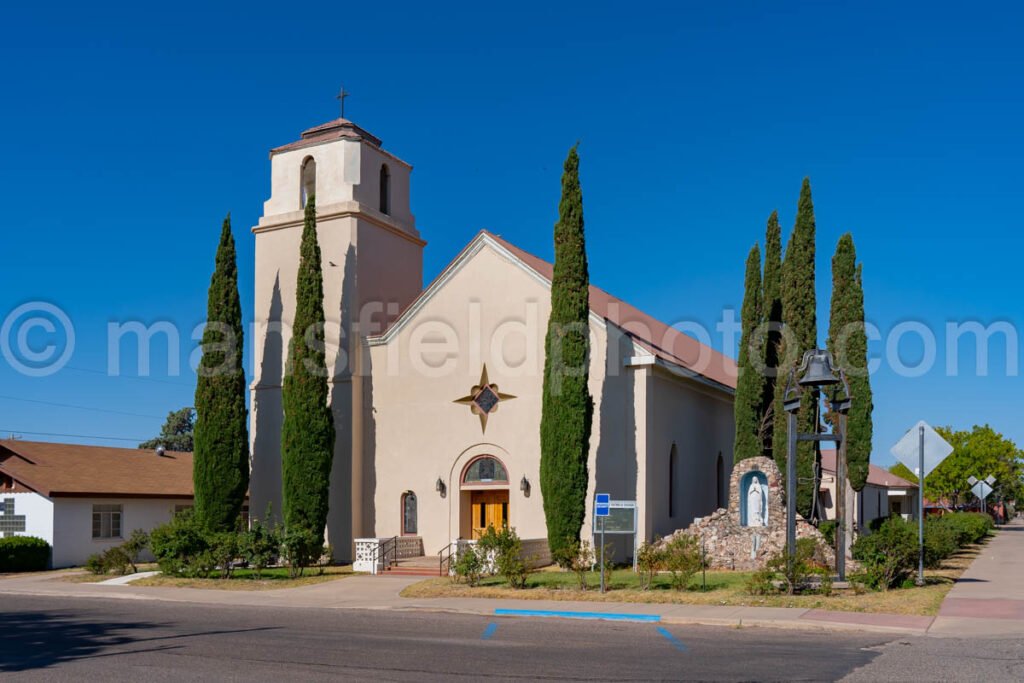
(56, 639)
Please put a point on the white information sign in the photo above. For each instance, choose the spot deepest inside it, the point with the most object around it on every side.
(981, 490)
(908, 449)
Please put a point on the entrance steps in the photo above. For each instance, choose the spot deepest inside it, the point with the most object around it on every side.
(413, 566)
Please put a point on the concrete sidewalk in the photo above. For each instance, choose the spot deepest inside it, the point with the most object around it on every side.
(987, 601)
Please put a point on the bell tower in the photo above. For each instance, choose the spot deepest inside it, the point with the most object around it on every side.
(372, 267)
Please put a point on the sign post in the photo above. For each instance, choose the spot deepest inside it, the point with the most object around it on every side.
(602, 510)
(982, 490)
(921, 450)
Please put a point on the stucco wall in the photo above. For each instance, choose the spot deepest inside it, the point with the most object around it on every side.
(699, 422)
(72, 524)
(490, 311)
(38, 512)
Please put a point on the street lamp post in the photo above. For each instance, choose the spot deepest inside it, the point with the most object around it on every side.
(817, 372)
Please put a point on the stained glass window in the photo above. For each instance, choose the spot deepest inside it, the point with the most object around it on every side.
(409, 513)
(485, 470)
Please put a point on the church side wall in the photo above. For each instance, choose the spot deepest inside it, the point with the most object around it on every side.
(698, 421)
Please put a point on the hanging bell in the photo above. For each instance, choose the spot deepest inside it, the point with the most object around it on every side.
(819, 371)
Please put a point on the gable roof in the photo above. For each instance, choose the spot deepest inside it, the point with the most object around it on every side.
(877, 476)
(57, 469)
(655, 337)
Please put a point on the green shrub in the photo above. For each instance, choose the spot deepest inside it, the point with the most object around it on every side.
(506, 548)
(225, 548)
(889, 555)
(136, 544)
(796, 573)
(578, 557)
(762, 582)
(94, 564)
(23, 554)
(682, 559)
(649, 559)
(828, 530)
(940, 541)
(300, 548)
(181, 547)
(261, 547)
(469, 565)
(116, 560)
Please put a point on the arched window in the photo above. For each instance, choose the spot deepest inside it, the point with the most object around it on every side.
(720, 498)
(409, 526)
(485, 470)
(385, 189)
(673, 468)
(308, 181)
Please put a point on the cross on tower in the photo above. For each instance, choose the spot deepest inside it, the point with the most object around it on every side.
(342, 94)
(10, 523)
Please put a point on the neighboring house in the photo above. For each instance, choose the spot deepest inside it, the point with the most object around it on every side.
(84, 499)
(884, 495)
(437, 392)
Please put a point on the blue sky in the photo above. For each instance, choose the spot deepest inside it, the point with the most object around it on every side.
(130, 132)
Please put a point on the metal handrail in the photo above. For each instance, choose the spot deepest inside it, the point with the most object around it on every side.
(381, 552)
(444, 558)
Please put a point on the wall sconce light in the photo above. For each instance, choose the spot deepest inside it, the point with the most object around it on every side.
(524, 486)
(440, 487)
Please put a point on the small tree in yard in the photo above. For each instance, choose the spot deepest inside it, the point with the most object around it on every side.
(578, 557)
(681, 557)
(506, 548)
(649, 559)
(300, 548)
(136, 544)
(469, 566)
(261, 547)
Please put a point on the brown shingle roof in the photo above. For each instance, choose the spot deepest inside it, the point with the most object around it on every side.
(877, 476)
(56, 469)
(332, 130)
(663, 341)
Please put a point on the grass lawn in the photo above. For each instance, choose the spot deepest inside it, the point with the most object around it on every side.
(245, 579)
(723, 588)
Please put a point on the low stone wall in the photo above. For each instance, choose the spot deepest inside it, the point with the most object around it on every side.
(409, 546)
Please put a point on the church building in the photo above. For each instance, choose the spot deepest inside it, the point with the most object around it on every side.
(436, 391)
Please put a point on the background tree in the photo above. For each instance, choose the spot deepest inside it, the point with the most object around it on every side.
(176, 434)
(750, 382)
(307, 434)
(220, 467)
(848, 342)
(799, 316)
(772, 313)
(567, 408)
(980, 452)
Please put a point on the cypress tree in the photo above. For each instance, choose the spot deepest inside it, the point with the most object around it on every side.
(772, 309)
(800, 320)
(220, 466)
(848, 342)
(567, 408)
(750, 383)
(307, 435)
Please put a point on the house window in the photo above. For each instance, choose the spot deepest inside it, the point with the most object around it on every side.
(409, 527)
(673, 469)
(385, 189)
(106, 521)
(485, 470)
(308, 180)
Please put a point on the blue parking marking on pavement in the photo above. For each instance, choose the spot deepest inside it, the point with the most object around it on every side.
(676, 643)
(489, 631)
(606, 616)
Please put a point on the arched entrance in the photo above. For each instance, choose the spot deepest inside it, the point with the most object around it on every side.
(484, 487)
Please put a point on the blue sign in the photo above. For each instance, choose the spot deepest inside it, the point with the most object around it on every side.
(602, 504)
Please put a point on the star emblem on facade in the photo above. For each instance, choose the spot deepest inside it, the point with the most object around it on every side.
(483, 399)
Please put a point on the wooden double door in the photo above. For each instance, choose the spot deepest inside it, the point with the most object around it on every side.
(489, 508)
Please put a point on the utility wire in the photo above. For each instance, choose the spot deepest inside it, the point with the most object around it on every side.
(104, 373)
(71, 436)
(69, 405)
